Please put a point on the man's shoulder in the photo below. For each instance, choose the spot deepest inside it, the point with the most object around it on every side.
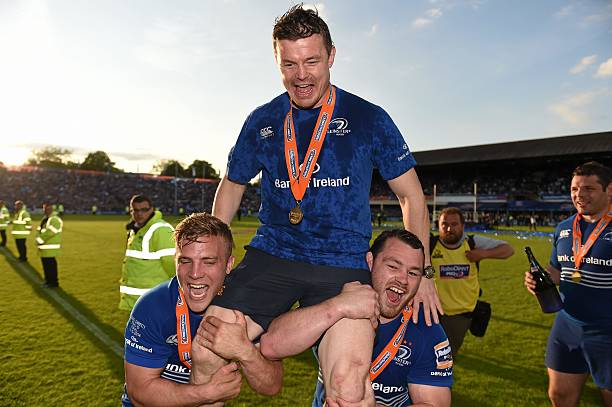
(348, 98)
(159, 300)
(278, 103)
(565, 227)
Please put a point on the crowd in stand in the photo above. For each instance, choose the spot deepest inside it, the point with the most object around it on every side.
(526, 186)
(78, 191)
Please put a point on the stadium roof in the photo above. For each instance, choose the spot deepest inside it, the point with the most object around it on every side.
(546, 147)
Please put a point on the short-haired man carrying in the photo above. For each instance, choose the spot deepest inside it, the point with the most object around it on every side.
(456, 257)
(316, 146)
(159, 333)
(580, 341)
(412, 363)
(149, 254)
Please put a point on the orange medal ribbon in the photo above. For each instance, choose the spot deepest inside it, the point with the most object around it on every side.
(390, 350)
(299, 178)
(580, 250)
(183, 330)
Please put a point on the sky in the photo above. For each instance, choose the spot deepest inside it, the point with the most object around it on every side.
(146, 80)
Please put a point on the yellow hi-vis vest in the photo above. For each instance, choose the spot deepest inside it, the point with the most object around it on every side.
(149, 260)
(456, 278)
(5, 218)
(22, 224)
(49, 239)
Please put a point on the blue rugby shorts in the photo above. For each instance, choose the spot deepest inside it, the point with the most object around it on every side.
(578, 348)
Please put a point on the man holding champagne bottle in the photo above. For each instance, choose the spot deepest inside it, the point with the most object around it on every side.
(580, 341)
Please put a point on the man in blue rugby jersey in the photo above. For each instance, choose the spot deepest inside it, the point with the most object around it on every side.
(418, 371)
(316, 146)
(580, 341)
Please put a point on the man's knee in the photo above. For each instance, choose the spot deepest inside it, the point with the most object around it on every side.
(560, 397)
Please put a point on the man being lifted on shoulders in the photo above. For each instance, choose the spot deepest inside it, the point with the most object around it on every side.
(316, 146)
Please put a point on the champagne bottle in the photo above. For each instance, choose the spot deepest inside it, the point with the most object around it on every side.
(546, 290)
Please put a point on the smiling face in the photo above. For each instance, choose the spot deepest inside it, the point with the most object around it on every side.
(396, 274)
(589, 196)
(304, 66)
(201, 267)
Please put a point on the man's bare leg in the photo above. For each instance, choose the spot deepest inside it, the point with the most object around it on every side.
(345, 354)
(564, 389)
(205, 362)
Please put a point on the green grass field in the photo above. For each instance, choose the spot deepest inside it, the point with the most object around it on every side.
(49, 358)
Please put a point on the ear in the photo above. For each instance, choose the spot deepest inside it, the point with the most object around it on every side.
(370, 260)
(332, 56)
(230, 264)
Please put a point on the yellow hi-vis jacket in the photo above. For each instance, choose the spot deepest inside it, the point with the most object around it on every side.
(149, 260)
(49, 239)
(5, 217)
(22, 224)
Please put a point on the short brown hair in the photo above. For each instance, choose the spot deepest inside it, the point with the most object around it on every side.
(202, 224)
(451, 210)
(603, 173)
(140, 199)
(299, 23)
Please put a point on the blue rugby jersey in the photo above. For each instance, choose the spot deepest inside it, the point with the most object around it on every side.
(336, 228)
(587, 301)
(423, 358)
(150, 334)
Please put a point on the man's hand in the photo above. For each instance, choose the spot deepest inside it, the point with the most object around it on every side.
(224, 384)
(530, 283)
(428, 296)
(358, 301)
(226, 339)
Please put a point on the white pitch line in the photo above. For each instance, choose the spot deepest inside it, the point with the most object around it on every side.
(75, 313)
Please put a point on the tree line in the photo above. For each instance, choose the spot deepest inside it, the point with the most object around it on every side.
(57, 157)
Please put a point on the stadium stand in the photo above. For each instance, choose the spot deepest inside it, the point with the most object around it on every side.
(78, 190)
(514, 181)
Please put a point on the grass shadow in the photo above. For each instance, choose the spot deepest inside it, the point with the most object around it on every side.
(83, 321)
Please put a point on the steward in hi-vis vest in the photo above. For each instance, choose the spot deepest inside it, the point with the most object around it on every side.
(49, 241)
(149, 255)
(5, 218)
(455, 258)
(22, 226)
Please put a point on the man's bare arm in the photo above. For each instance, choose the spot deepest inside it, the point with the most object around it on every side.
(227, 199)
(297, 330)
(429, 396)
(503, 251)
(408, 189)
(146, 387)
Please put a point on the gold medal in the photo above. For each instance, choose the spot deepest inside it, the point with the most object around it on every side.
(296, 215)
(576, 276)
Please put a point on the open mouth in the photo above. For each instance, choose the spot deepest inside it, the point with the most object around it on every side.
(303, 91)
(394, 294)
(198, 291)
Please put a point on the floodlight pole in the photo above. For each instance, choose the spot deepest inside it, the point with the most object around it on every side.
(475, 199)
(176, 188)
(433, 215)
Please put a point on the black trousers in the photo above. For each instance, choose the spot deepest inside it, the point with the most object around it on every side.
(2, 237)
(50, 268)
(21, 248)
